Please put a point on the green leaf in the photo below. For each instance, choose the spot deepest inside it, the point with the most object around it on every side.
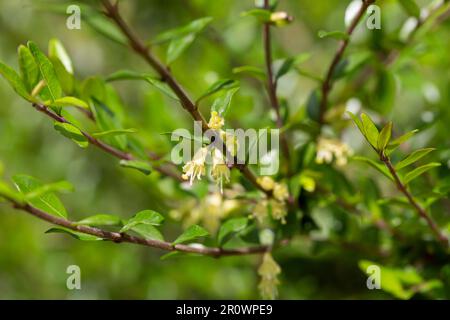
(9, 194)
(68, 102)
(126, 75)
(178, 46)
(56, 50)
(133, 75)
(47, 71)
(62, 64)
(230, 228)
(285, 68)
(261, 14)
(410, 7)
(61, 186)
(47, 202)
(220, 85)
(105, 27)
(384, 137)
(75, 234)
(340, 70)
(402, 139)
(193, 28)
(73, 133)
(418, 171)
(15, 81)
(338, 35)
(172, 254)
(289, 63)
(188, 136)
(413, 157)
(191, 233)
(383, 97)
(93, 88)
(252, 71)
(357, 122)
(371, 131)
(109, 116)
(100, 220)
(28, 68)
(142, 166)
(148, 232)
(143, 217)
(162, 86)
(222, 103)
(381, 168)
(66, 80)
(114, 132)
(401, 283)
(313, 105)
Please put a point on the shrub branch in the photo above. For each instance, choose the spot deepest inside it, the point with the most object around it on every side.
(103, 146)
(420, 210)
(123, 237)
(112, 11)
(327, 84)
(272, 84)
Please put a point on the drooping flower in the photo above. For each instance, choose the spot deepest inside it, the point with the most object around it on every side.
(231, 142)
(196, 167)
(216, 122)
(279, 211)
(260, 211)
(269, 271)
(220, 170)
(327, 149)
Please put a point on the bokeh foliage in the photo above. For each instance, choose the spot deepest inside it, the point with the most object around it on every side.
(333, 242)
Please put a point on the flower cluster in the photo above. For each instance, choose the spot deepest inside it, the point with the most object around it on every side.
(196, 168)
(277, 204)
(327, 149)
(208, 212)
(216, 122)
(269, 271)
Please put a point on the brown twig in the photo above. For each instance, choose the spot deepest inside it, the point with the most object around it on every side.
(327, 84)
(123, 237)
(103, 146)
(272, 84)
(141, 49)
(421, 211)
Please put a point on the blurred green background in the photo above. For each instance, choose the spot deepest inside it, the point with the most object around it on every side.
(33, 264)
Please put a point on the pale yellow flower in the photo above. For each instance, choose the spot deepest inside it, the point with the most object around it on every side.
(280, 192)
(260, 211)
(216, 122)
(280, 18)
(266, 183)
(231, 142)
(209, 211)
(196, 167)
(329, 149)
(279, 211)
(220, 170)
(269, 271)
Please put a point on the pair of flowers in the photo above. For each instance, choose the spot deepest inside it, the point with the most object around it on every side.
(196, 168)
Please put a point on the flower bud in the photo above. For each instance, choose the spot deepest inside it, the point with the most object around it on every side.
(280, 18)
